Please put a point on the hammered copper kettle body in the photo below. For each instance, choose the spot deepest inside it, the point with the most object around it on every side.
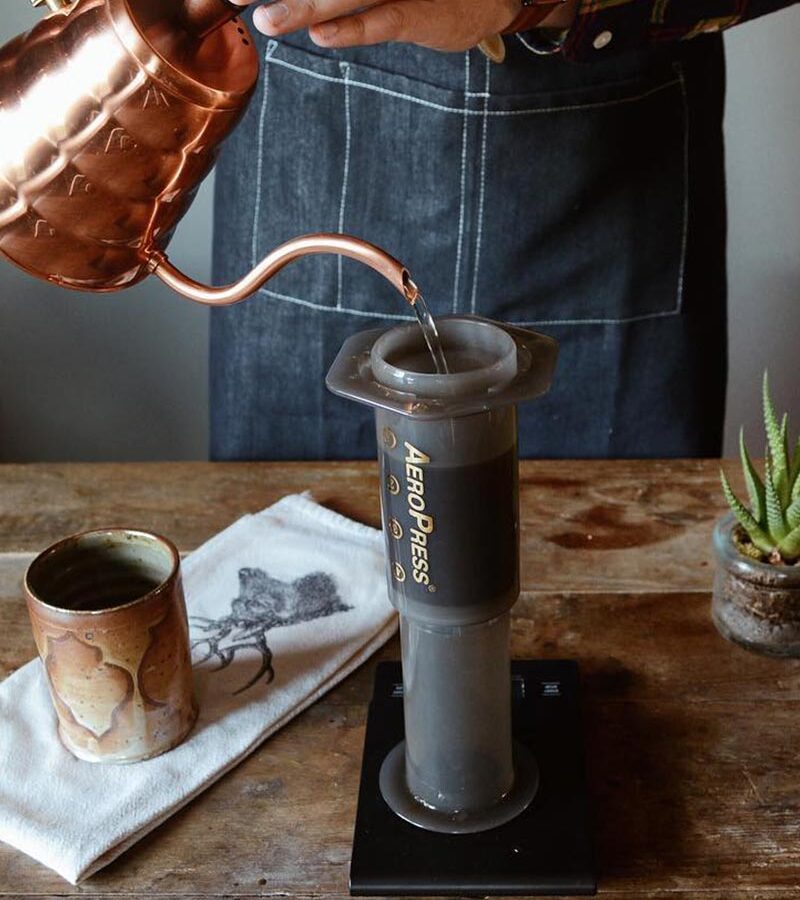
(111, 114)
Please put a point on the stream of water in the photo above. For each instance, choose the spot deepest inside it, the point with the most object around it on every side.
(431, 334)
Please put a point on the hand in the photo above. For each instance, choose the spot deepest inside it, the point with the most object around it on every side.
(449, 25)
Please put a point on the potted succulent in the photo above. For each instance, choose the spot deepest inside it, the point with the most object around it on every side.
(756, 599)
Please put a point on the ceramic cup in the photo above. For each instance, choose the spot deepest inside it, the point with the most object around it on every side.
(109, 620)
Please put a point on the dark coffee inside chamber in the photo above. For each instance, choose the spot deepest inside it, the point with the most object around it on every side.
(471, 553)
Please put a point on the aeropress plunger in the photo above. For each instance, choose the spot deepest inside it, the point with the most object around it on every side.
(449, 499)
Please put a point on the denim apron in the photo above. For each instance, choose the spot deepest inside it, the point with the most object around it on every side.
(584, 201)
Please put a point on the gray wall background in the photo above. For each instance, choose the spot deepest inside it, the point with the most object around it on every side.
(124, 376)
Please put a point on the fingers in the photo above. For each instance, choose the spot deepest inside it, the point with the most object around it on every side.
(386, 22)
(449, 25)
(285, 16)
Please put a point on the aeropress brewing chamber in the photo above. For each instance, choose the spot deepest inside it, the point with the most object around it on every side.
(447, 445)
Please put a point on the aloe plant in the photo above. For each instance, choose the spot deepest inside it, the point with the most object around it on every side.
(772, 521)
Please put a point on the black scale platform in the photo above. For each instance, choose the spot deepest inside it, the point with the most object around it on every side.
(546, 850)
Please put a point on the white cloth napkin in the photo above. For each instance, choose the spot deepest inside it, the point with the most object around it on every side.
(311, 581)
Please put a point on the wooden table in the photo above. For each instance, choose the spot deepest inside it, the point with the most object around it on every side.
(693, 749)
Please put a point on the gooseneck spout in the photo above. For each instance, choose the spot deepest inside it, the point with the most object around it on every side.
(305, 245)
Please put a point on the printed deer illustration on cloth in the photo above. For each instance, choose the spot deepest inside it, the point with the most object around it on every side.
(264, 603)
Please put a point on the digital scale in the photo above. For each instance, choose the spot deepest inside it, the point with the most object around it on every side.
(547, 849)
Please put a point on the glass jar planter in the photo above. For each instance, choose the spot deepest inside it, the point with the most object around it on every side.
(755, 604)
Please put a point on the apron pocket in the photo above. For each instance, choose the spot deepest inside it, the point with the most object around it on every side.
(334, 124)
(586, 223)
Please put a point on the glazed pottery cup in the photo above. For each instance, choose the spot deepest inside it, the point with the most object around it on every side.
(109, 620)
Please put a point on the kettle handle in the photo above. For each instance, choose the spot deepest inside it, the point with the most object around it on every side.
(340, 244)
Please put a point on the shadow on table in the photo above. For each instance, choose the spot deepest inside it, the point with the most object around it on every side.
(641, 769)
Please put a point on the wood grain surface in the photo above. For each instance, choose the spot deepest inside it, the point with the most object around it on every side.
(692, 743)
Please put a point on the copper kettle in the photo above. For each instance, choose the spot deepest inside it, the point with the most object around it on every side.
(111, 114)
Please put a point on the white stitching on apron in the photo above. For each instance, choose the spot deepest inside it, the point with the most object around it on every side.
(460, 243)
(472, 112)
(321, 307)
(624, 320)
(345, 67)
(682, 265)
(482, 190)
(260, 153)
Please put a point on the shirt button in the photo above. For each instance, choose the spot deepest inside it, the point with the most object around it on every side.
(602, 40)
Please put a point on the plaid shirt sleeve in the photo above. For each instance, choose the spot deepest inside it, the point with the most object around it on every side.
(615, 26)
